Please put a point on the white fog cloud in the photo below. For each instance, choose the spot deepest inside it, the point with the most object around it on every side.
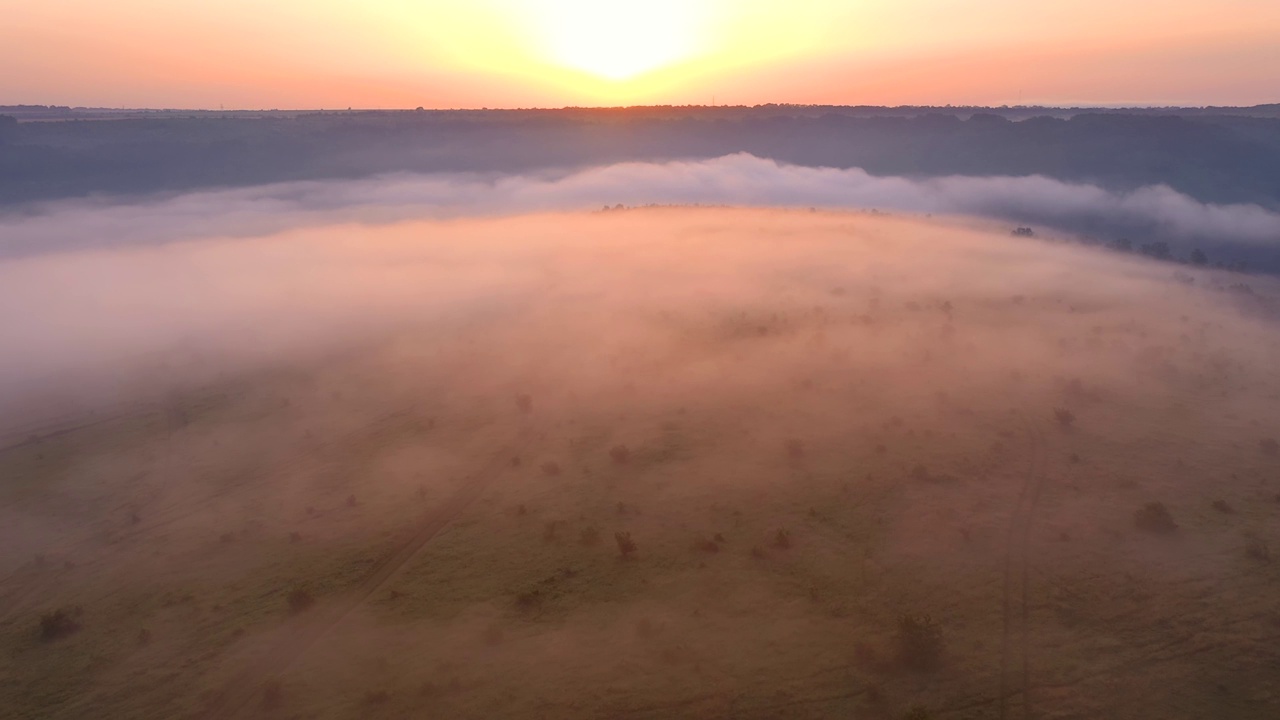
(732, 180)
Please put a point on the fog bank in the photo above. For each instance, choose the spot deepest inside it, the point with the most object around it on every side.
(1149, 214)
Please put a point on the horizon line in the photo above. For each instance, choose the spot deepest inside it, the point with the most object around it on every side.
(655, 106)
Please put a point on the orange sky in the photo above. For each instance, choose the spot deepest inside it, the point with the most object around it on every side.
(520, 53)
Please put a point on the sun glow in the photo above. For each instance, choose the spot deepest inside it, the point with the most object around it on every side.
(618, 41)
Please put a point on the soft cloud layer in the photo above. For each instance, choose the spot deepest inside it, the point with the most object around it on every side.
(1147, 214)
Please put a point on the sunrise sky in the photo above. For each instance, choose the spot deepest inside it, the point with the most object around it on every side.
(520, 53)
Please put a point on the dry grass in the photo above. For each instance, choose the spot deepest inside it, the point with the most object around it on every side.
(822, 544)
(59, 623)
(1155, 518)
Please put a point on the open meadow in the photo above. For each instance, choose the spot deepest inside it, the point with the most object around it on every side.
(643, 463)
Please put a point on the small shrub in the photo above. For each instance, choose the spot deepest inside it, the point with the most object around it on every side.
(493, 635)
(1154, 517)
(757, 552)
(1258, 550)
(795, 449)
(626, 546)
(300, 600)
(1269, 446)
(144, 637)
(646, 629)
(521, 510)
(782, 539)
(1066, 419)
(918, 712)
(621, 454)
(865, 656)
(1222, 507)
(672, 655)
(875, 693)
(550, 468)
(530, 601)
(59, 624)
(920, 473)
(376, 697)
(351, 501)
(295, 537)
(524, 403)
(227, 537)
(550, 531)
(719, 538)
(272, 695)
(589, 536)
(919, 642)
(706, 546)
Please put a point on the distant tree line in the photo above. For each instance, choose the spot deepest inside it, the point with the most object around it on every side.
(1160, 250)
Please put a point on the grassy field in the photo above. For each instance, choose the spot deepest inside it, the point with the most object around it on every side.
(870, 467)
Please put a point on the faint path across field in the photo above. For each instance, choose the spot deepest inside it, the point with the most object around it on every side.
(1018, 542)
(309, 627)
(18, 589)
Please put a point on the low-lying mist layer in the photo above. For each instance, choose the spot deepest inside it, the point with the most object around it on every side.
(664, 462)
(1149, 214)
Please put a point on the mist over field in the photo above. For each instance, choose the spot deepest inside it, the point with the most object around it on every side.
(472, 446)
(742, 180)
(585, 360)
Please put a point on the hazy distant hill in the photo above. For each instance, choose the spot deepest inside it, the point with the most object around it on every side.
(1214, 155)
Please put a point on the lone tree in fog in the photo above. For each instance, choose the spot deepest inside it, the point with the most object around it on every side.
(920, 642)
(626, 546)
(1154, 518)
(8, 125)
(1199, 258)
(1158, 250)
(299, 600)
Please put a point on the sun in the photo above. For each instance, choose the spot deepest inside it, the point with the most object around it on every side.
(618, 40)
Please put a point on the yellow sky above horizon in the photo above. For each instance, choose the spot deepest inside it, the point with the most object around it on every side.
(552, 53)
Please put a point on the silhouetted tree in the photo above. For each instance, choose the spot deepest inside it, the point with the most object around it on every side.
(8, 124)
(1199, 258)
(920, 642)
(626, 546)
(1123, 245)
(299, 600)
(58, 624)
(1158, 250)
(1154, 517)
